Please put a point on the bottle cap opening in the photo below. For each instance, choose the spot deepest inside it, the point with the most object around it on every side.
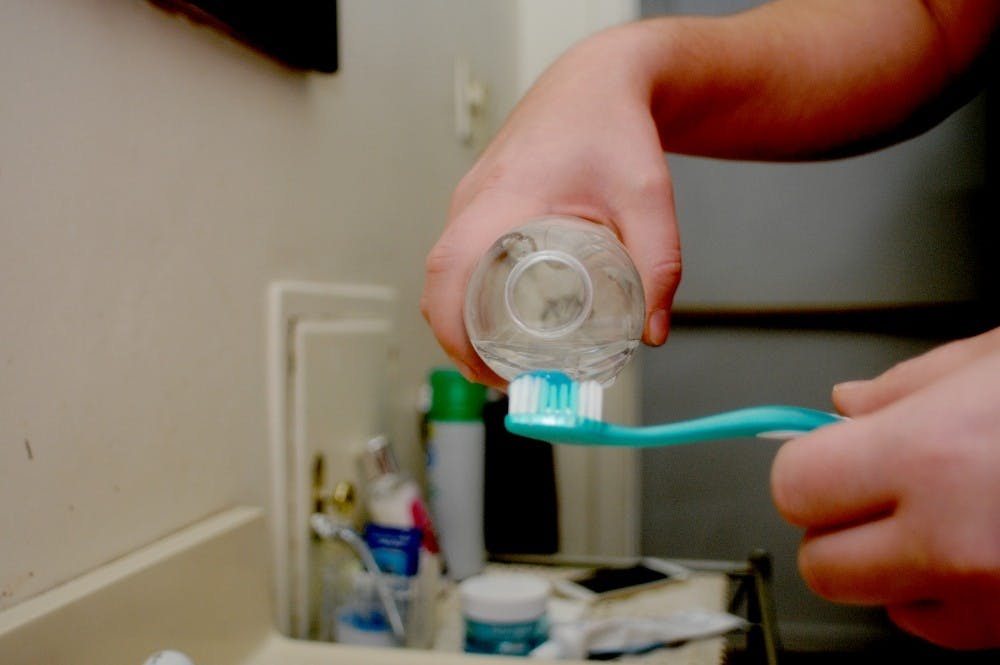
(549, 294)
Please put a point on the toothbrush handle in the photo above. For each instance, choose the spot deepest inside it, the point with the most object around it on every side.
(766, 421)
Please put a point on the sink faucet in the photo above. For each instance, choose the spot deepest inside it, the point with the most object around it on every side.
(328, 529)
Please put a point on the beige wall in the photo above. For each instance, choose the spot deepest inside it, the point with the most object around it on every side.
(154, 177)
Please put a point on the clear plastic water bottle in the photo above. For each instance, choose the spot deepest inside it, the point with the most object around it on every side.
(558, 293)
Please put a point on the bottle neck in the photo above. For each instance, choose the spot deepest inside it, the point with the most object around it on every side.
(549, 294)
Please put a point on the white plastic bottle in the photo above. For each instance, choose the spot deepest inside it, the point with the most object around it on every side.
(557, 293)
(456, 448)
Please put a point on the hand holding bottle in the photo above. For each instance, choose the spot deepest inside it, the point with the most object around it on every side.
(583, 143)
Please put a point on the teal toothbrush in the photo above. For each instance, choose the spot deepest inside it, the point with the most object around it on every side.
(552, 407)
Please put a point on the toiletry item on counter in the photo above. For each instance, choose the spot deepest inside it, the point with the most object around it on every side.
(557, 293)
(504, 613)
(332, 562)
(393, 499)
(363, 619)
(168, 657)
(520, 510)
(369, 613)
(397, 552)
(616, 637)
(455, 471)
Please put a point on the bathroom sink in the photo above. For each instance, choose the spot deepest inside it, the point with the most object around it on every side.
(202, 591)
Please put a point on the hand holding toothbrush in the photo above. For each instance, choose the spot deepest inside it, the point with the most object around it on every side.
(901, 504)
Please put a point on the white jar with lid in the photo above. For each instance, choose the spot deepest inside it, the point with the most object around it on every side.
(504, 613)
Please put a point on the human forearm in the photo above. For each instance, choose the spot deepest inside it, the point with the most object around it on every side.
(793, 79)
(803, 79)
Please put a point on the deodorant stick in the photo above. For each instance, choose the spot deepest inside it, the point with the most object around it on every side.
(456, 448)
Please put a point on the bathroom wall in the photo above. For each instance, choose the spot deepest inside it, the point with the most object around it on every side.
(154, 178)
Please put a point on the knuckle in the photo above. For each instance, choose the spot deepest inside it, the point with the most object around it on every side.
(785, 496)
(647, 190)
(813, 574)
(962, 559)
(665, 273)
(484, 176)
(425, 308)
(441, 259)
(651, 183)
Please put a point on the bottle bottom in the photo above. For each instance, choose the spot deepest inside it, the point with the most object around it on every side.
(600, 363)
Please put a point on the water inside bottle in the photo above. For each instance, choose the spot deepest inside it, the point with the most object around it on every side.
(581, 360)
(557, 293)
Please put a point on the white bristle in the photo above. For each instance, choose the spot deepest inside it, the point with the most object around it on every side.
(525, 394)
(534, 395)
(515, 395)
(531, 394)
(591, 398)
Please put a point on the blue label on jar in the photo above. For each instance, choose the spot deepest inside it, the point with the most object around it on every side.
(509, 639)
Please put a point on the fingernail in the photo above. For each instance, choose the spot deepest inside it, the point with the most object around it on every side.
(657, 327)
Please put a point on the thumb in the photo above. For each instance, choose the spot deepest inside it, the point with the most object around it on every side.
(648, 226)
(857, 398)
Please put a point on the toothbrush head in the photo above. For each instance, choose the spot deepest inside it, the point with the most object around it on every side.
(550, 406)
(553, 396)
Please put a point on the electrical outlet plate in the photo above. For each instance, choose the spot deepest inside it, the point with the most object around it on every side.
(328, 367)
(469, 99)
